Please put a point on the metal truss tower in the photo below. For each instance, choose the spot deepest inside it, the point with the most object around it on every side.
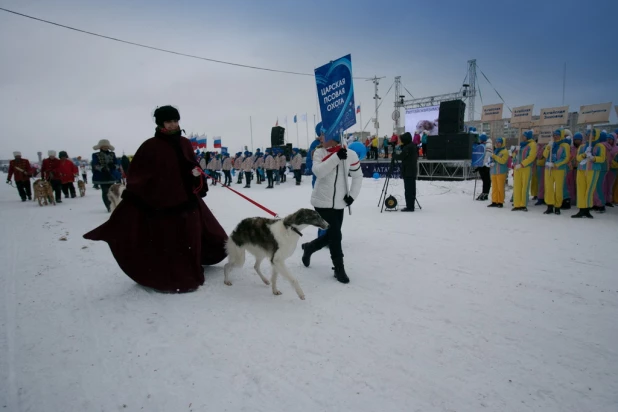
(470, 93)
(396, 114)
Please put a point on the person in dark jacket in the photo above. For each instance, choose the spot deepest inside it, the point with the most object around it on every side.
(20, 168)
(104, 169)
(162, 233)
(409, 169)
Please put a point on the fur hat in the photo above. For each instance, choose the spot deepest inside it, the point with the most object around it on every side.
(165, 114)
(51, 153)
(567, 133)
(528, 134)
(103, 142)
(15, 154)
(63, 155)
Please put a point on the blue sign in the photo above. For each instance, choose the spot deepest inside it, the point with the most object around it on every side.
(336, 96)
(478, 155)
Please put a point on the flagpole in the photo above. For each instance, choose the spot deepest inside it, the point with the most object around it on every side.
(307, 124)
(251, 127)
(297, 141)
(361, 120)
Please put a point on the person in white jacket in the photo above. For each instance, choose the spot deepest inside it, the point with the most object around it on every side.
(484, 170)
(332, 164)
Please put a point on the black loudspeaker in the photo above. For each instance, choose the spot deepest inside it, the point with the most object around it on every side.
(454, 146)
(277, 136)
(451, 117)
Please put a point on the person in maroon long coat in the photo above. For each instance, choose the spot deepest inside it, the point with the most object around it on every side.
(162, 232)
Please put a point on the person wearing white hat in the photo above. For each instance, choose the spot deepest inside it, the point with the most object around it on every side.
(49, 171)
(20, 168)
(105, 169)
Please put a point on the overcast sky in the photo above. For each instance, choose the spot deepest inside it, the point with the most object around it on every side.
(64, 90)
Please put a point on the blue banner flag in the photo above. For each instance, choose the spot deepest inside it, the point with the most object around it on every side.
(336, 96)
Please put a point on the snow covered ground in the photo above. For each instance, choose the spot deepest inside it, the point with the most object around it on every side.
(453, 308)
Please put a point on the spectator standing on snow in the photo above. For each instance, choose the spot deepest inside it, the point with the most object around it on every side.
(332, 164)
(66, 173)
(104, 168)
(409, 163)
(49, 170)
(20, 168)
(296, 164)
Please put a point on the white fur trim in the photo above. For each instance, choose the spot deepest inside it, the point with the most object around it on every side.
(51, 153)
(16, 154)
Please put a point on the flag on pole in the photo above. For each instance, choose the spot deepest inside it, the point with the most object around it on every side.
(217, 142)
(193, 141)
(201, 142)
(294, 118)
(277, 123)
(358, 109)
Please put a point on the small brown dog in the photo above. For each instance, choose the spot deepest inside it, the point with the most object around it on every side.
(82, 188)
(43, 192)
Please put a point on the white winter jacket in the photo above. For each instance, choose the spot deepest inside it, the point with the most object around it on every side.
(330, 184)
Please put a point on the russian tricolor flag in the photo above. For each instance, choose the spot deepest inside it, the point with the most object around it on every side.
(217, 142)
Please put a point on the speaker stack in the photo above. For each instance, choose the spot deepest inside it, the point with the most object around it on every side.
(277, 136)
(451, 117)
(451, 143)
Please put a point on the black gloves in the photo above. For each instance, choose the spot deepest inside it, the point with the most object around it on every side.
(342, 154)
(348, 200)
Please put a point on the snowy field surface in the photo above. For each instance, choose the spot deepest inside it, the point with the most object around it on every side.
(453, 308)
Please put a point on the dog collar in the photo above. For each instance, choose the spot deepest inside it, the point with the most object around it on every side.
(296, 230)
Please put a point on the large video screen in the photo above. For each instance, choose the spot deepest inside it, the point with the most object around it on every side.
(423, 119)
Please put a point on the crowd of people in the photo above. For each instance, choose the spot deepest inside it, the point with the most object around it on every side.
(270, 166)
(580, 168)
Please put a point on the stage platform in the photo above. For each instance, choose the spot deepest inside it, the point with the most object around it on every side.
(427, 169)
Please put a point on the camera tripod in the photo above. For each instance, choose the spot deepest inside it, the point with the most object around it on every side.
(387, 181)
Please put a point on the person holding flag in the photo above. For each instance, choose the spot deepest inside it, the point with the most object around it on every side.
(332, 164)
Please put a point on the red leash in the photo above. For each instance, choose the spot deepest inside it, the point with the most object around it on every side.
(270, 212)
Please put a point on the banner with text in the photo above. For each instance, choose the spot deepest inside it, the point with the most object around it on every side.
(522, 115)
(554, 116)
(544, 134)
(594, 113)
(336, 96)
(492, 112)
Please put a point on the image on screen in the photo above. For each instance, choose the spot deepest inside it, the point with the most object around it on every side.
(423, 119)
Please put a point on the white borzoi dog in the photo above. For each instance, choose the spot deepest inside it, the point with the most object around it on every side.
(272, 239)
(115, 195)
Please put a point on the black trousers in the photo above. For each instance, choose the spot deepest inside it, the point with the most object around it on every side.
(240, 173)
(57, 188)
(297, 176)
(248, 177)
(68, 188)
(104, 192)
(269, 176)
(386, 152)
(282, 173)
(24, 189)
(333, 235)
(228, 177)
(409, 185)
(486, 178)
(85, 178)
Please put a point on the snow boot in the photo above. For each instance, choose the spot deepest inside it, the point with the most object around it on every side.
(339, 269)
(557, 210)
(583, 213)
(493, 205)
(308, 250)
(481, 197)
(566, 204)
(500, 205)
(601, 209)
(609, 204)
(549, 211)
